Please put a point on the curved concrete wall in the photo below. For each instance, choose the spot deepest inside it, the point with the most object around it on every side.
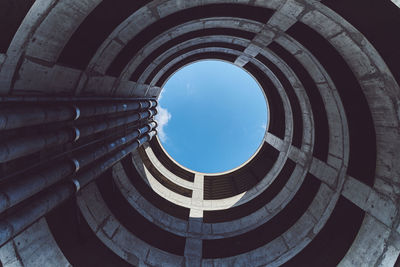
(323, 190)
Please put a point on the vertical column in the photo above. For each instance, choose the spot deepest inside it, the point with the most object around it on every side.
(193, 247)
(197, 196)
(193, 252)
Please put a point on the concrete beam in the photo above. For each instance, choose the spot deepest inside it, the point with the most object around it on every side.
(327, 174)
(34, 247)
(35, 77)
(121, 241)
(2, 59)
(197, 196)
(373, 202)
(284, 17)
(146, 208)
(33, 18)
(197, 51)
(396, 2)
(167, 173)
(372, 246)
(190, 26)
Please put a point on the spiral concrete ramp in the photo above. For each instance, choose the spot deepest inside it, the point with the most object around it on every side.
(322, 190)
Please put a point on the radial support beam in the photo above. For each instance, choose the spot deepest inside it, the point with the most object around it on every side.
(193, 252)
(282, 20)
(324, 172)
(197, 196)
(396, 2)
(373, 202)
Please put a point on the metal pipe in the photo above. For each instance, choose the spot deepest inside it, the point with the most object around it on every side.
(102, 109)
(13, 118)
(88, 157)
(20, 189)
(13, 99)
(16, 222)
(19, 147)
(87, 176)
(67, 152)
(109, 124)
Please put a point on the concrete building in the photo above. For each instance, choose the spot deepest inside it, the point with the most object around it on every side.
(78, 83)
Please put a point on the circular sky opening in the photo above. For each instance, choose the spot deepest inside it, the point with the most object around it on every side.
(212, 116)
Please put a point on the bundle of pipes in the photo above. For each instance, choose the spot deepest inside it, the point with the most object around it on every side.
(13, 118)
(29, 197)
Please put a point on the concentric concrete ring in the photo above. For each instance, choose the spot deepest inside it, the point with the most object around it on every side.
(322, 190)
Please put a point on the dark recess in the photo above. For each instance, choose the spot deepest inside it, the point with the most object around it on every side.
(277, 122)
(294, 101)
(162, 179)
(94, 30)
(168, 163)
(151, 196)
(12, 12)
(191, 35)
(243, 179)
(135, 76)
(375, 20)
(321, 126)
(216, 216)
(134, 222)
(200, 56)
(331, 244)
(280, 223)
(215, 10)
(77, 242)
(362, 159)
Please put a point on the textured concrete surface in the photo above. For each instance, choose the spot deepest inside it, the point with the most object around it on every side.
(33, 247)
(30, 67)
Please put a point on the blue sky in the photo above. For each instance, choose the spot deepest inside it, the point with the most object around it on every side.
(212, 116)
